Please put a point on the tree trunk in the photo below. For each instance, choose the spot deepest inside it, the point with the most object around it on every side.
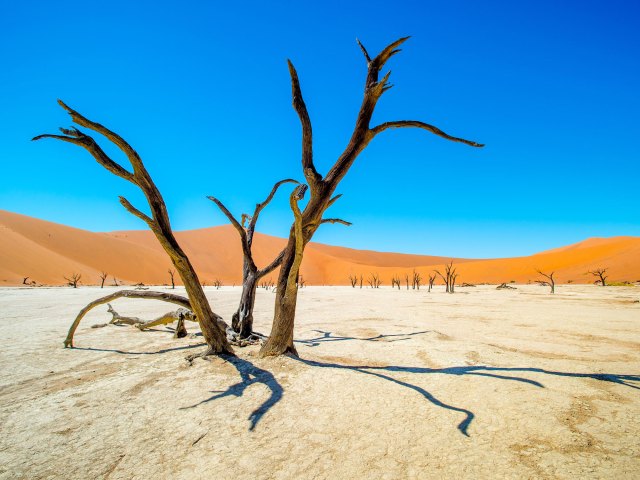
(281, 339)
(242, 320)
(214, 336)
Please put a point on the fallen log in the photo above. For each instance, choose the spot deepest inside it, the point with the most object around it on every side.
(180, 315)
(162, 296)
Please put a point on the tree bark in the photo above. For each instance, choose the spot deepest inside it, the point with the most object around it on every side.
(280, 342)
(242, 320)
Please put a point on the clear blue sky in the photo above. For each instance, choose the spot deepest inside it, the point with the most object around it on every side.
(201, 90)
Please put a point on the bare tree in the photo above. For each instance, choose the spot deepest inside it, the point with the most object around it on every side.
(395, 281)
(432, 278)
(73, 280)
(217, 283)
(267, 284)
(158, 222)
(449, 277)
(600, 273)
(24, 281)
(550, 282)
(353, 279)
(323, 188)
(242, 320)
(115, 282)
(301, 281)
(406, 279)
(374, 280)
(103, 277)
(417, 280)
(361, 278)
(172, 272)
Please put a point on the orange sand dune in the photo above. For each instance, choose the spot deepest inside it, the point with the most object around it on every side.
(46, 252)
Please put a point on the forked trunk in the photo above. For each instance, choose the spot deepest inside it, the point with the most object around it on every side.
(322, 188)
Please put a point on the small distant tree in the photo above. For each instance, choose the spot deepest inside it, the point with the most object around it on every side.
(550, 282)
(73, 280)
(361, 279)
(172, 272)
(395, 281)
(217, 283)
(353, 280)
(103, 277)
(449, 277)
(452, 286)
(600, 273)
(115, 282)
(406, 280)
(301, 281)
(432, 278)
(374, 280)
(24, 281)
(417, 280)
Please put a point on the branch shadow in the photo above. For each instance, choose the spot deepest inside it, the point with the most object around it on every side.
(329, 337)
(500, 373)
(249, 375)
(157, 352)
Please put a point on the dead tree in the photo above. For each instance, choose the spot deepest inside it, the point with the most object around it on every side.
(417, 280)
(449, 277)
(158, 222)
(24, 281)
(432, 278)
(73, 280)
(452, 287)
(166, 297)
(242, 320)
(172, 272)
(217, 283)
(395, 281)
(600, 272)
(353, 279)
(103, 277)
(115, 282)
(406, 279)
(301, 281)
(322, 188)
(374, 280)
(267, 284)
(550, 282)
(361, 278)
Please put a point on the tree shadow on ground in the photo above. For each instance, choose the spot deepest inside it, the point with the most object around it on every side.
(249, 375)
(157, 352)
(329, 337)
(500, 373)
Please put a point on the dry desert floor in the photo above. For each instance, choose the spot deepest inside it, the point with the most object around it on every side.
(389, 385)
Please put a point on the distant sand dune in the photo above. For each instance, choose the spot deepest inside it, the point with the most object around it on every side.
(47, 251)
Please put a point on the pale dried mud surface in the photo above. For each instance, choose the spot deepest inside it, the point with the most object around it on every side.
(389, 384)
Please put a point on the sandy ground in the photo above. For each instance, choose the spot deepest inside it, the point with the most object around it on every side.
(390, 384)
